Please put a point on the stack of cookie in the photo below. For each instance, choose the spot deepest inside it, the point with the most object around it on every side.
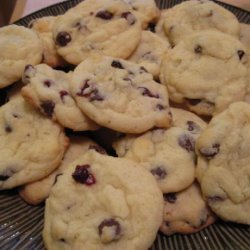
(172, 88)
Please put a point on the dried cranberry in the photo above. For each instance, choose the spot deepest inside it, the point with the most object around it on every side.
(129, 17)
(170, 197)
(159, 172)
(241, 53)
(209, 153)
(82, 175)
(63, 93)
(48, 107)
(63, 38)
(98, 149)
(192, 126)
(187, 142)
(160, 107)
(104, 14)
(110, 223)
(117, 64)
(146, 92)
(198, 49)
(47, 83)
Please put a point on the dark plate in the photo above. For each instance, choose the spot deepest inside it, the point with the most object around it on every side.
(21, 225)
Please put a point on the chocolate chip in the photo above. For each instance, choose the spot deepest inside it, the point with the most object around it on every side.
(159, 172)
(146, 92)
(117, 64)
(241, 53)
(198, 49)
(193, 127)
(4, 177)
(47, 83)
(63, 38)
(115, 229)
(129, 17)
(104, 14)
(63, 93)
(170, 197)
(151, 27)
(48, 107)
(209, 153)
(8, 129)
(82, 175)
(56, 178)
(187, 142)
(98, 149)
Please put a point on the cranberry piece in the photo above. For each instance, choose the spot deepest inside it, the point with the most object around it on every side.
(170, 197)
(98, 149)
(192, 126)
(8, 128)
(187, 142)
(160, 107)
(115, 229)
(117, 64)
(63, 38)
(104, 14)
(240, 53)
(95, 96)
(48, 107)
(63, 93)
(28, 67)
(47, 83)
(82, 175)
(151, 27)
(4, 177)
(159, 173)
(209, 153)
(198, 49)
(146, 92)
(129, 17)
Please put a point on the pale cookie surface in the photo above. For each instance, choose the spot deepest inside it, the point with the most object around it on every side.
(207, 71)
(185, 212)
(43, 27)
(149, 52)
(168, 154)
(18, 47)
(190, 16)
(120, 95)
(107, 27)
(36, 192)
(245, 36)
(48, 90)
(104, 203)
(31, 146)
(146, 11)
(223, 167)
(158, 28)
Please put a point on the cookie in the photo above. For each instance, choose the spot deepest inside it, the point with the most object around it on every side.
(223, 167)
(185, 212)
(31, 146)
(18, 47)
(120, 95)
(36, 192)
(168, 154)
(106, 27)
(48, 90)
(191, 16)
(103, 202)
(149, 52)
(146, 11)
(206, 72)
(43, 27)
(245, 36)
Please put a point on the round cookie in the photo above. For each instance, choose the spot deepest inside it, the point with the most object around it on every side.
(185, 212)
(106, 27)
(103, 202)
(18, 47)
(223, 168)
(146, 11)
(207, 71)
(48, 90)
(191, 16)
(168, 154)
(43, 27)
(120, 95)
(36, 192)
(149, 52)
(31, 146)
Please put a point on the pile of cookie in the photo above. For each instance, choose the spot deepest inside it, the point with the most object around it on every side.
(172, 89)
